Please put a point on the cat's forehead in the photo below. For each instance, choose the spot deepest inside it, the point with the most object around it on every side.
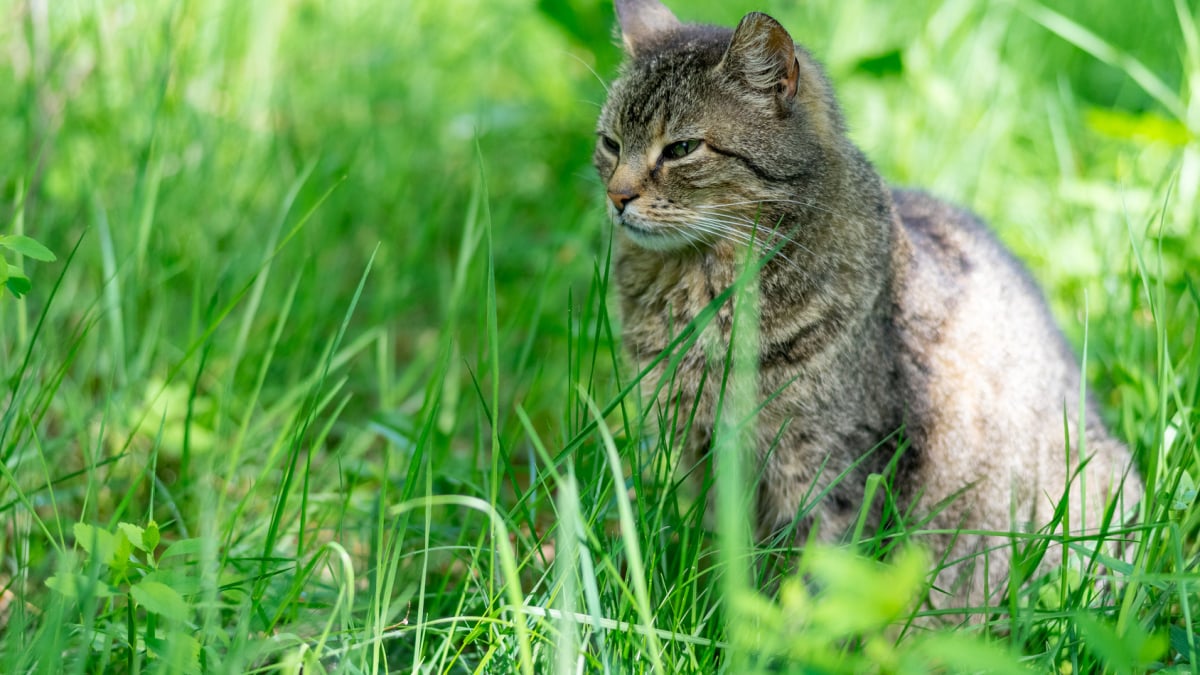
(668, 85)
(692, 42)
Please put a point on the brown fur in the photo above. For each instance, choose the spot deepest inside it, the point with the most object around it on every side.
(881, 310)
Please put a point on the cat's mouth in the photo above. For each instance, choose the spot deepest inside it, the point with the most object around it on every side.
(655, 237)
(640, 231)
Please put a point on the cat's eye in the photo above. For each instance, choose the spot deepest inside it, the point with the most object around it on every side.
(681, 149)
(610, 144)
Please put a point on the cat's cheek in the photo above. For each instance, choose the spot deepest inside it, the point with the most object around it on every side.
(604, 167)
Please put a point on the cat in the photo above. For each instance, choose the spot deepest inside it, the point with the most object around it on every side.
(884, 314)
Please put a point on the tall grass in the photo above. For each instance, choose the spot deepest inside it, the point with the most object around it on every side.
(325, 376)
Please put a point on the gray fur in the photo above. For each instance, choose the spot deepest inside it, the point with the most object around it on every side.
(883, 309)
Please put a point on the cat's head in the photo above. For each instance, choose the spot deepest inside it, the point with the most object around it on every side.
(709, 133)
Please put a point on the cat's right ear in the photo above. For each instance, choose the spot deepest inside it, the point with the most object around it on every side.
(762, 55)
(642, 21)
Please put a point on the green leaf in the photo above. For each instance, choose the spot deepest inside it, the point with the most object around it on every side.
(950, 652)
(161, 599)
(99, 544)
(182, 579)
(74, 585)
(1127, 652)
(122, 552)
(17, 283)
(861, 595)
(1180, 641)
(184, 547)
(67, 584)
(179, 649)
(134, 534)
(27, 247)
(151, 537)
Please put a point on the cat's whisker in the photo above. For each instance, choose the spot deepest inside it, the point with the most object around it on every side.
(745, 230)
(767, 232)
(590, 69)
(775, 231)
(753, 202)
(773, 200)
(756, 202)
(743, 238)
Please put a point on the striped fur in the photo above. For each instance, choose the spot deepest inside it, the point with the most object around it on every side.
(881, 311)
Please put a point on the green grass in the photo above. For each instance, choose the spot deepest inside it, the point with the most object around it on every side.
(325, 373)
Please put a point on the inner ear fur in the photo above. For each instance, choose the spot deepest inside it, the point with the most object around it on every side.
(762, 55)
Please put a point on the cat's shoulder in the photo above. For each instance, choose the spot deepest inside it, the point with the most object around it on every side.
(955, 272)
(957, 238)
(937, 224)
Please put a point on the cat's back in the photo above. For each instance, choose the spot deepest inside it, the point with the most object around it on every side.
(964, 294)
(989, 376)
(954, 275)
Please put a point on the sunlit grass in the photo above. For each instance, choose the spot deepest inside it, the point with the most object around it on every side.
(330, 313)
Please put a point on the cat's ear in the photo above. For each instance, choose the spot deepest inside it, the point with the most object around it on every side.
(641, 21)
(762, 55)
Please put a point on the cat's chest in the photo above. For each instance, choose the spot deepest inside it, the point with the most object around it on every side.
(665, 297)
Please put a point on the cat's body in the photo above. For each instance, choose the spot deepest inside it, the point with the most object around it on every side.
(880, 310)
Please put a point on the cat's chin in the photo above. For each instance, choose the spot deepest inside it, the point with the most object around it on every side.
(656, 238)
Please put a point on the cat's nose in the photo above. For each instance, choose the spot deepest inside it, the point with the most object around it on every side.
(621, 199)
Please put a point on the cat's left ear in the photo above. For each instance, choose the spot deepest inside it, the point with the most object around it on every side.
(763, 56)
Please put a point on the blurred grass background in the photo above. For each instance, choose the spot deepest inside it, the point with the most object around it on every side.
(217, 179)
(184, 127)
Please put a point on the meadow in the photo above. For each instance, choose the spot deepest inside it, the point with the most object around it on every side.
(324, 375)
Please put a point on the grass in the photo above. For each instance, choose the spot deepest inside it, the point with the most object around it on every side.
(325, 377)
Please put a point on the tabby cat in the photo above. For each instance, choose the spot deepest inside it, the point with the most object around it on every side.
(884, 313)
